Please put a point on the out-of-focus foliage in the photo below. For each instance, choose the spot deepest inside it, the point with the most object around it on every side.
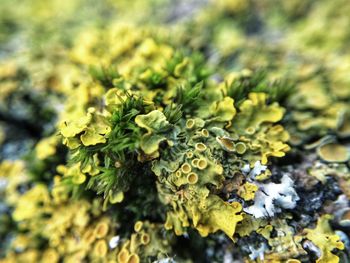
(174, 131)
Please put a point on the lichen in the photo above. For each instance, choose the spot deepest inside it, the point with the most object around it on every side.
(323, 237)
(130, 134)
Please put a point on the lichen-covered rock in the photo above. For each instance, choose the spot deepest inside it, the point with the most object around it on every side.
(161, 131)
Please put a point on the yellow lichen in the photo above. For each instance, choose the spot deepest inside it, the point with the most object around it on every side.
(333, 152)
(153, 122)
(223, 110)
(247, 191)
(324, 238)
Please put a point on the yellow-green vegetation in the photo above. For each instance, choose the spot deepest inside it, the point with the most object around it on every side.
(174, 131)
